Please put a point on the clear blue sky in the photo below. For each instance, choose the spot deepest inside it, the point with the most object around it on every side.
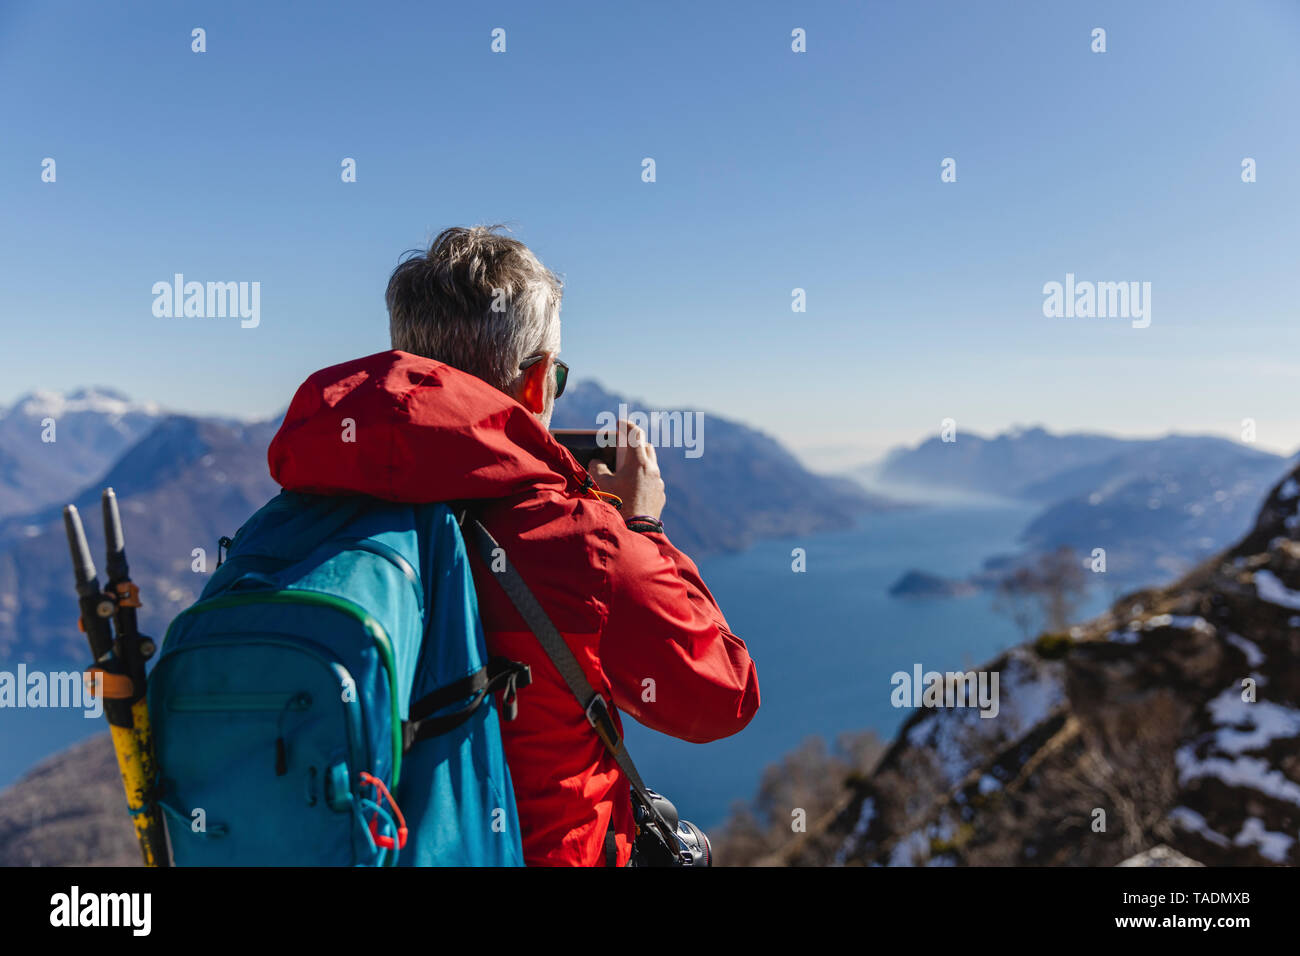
(775, 170)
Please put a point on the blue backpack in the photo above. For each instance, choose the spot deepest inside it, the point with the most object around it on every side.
(329, 699)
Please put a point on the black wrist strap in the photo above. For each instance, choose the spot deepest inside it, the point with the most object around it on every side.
(644, 523)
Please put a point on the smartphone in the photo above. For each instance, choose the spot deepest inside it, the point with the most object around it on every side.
(582, 444)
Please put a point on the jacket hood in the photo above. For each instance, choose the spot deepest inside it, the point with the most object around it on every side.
(404, 428)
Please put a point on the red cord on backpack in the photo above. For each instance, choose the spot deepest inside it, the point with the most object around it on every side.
(386, 842)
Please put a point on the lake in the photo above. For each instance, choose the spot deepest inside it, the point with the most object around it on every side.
(825, 642)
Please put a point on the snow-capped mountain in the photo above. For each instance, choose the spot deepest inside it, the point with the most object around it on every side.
(52, 443)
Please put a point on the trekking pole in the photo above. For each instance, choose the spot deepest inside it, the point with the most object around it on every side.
(118, 670)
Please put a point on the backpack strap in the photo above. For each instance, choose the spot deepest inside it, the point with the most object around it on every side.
(593, 704)
(499, 674)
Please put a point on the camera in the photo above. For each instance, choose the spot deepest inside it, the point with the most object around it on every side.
(689, 845)
(585, 445)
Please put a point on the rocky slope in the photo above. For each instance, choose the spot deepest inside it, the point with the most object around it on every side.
(69, 810)
(1173, 719)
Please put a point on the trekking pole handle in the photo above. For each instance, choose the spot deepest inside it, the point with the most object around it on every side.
(115, 541)
(83, 565)
(96, 607)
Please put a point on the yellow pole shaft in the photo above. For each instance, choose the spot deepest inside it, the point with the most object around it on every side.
(134, 747)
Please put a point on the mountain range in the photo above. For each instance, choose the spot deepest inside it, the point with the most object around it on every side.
(1014, 464)
(184, 481)
(1156, 506)
(742, 486)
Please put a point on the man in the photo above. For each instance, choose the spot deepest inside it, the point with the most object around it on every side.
(459, 411)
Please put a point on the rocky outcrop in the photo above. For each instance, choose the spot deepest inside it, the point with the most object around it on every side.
(1173, 720)
(1160, 856)
(922, 584)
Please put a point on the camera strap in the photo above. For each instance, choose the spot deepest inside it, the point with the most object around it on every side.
(593, 704)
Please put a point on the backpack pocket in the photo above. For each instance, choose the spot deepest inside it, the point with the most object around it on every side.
(267, 736)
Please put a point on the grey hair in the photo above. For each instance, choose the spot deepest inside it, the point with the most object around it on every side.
(477, 300)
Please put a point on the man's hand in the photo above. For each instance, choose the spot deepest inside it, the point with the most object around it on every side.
(636, 477)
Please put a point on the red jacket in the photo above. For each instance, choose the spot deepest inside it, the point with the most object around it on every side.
(630, 605)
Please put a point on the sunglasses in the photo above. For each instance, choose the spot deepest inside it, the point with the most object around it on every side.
(561, 371)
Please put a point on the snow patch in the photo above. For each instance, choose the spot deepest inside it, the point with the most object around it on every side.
(1271, 845)
(1270, 589)
(910, 849)
(1190, 820)
(1254, 656)
(1185, 622)
(1029, 692)
(865, 816)
(1249, 726)
(1249, 772)
(43, 403)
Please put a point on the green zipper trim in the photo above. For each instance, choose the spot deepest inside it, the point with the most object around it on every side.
(319, 599)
